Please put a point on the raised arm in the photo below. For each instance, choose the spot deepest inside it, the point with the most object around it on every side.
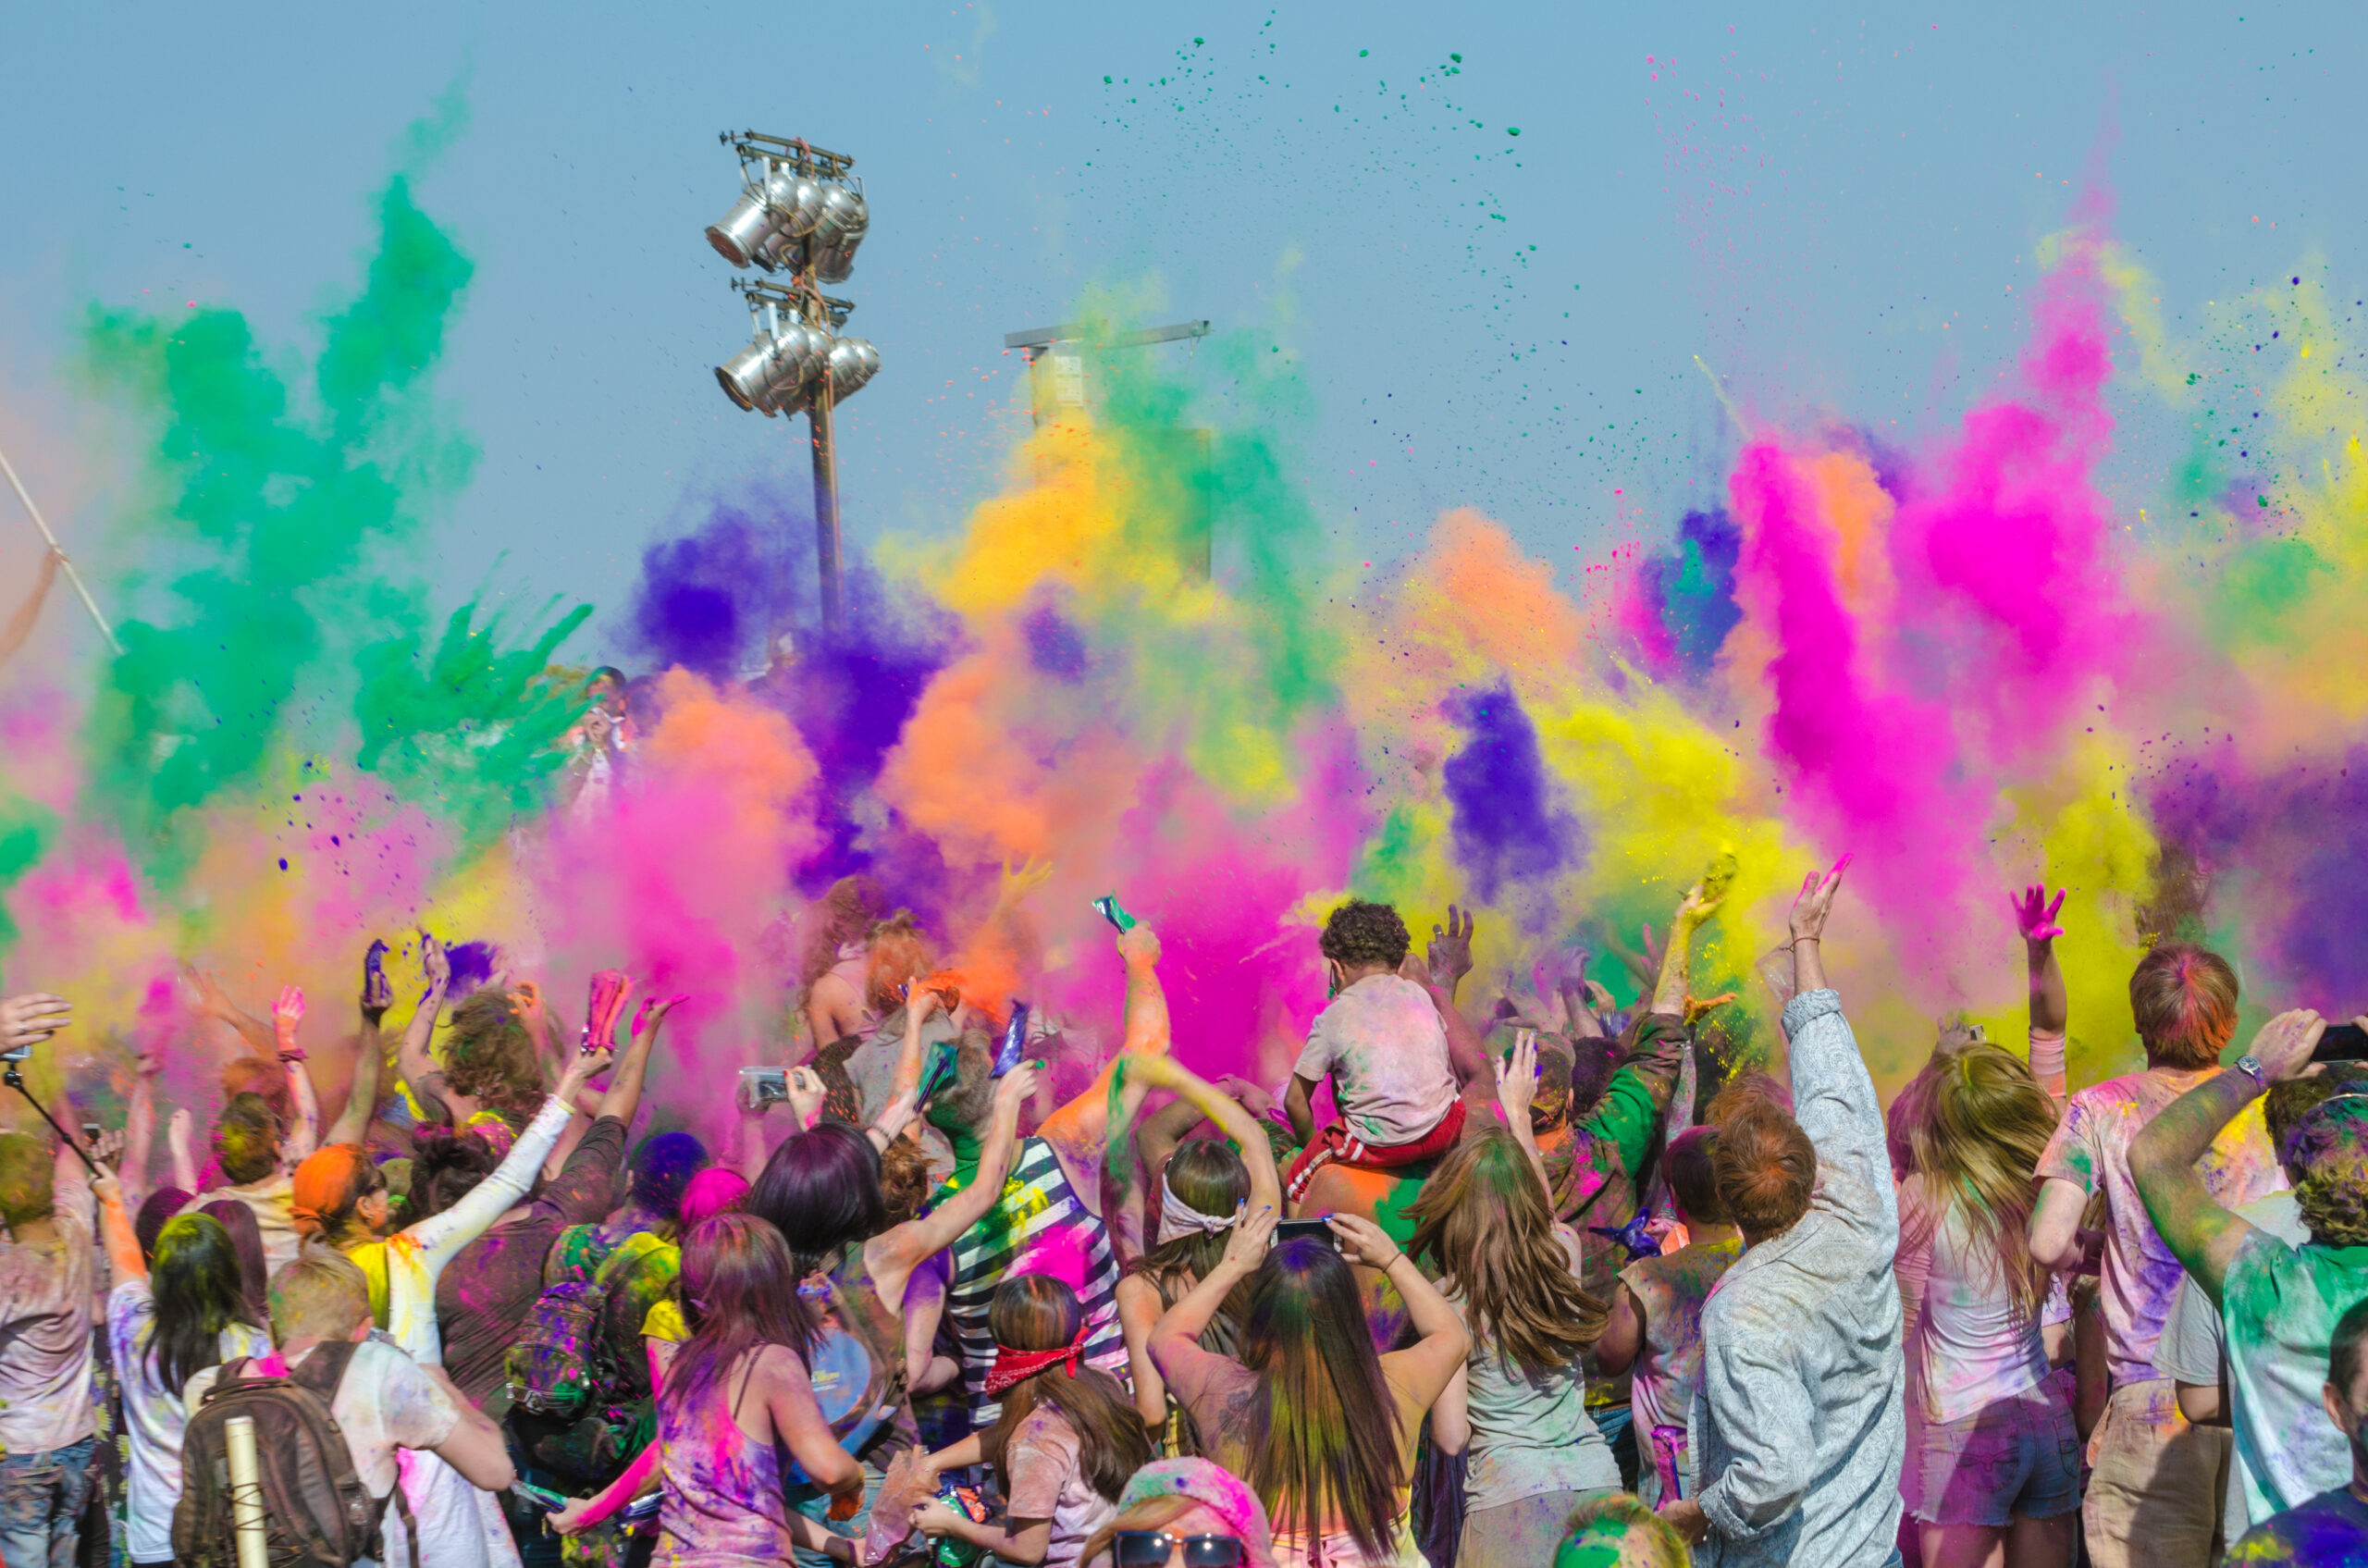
(411, 1057)
(1670, 987)
(1237, 1124)
(1423, 1369)
(2202, 1235)
(20, 624)
(177, 1141)
(1174, 1342)
(437, 1237)
(893, 1257)
(2050, 1004)
(1834, 1097)
(139, 1125)
(920, 1005)
(623, 1099)
(116, 1233)
(287, 1012)
(1516, 1086)
(1078, 1130)
(369, 1054)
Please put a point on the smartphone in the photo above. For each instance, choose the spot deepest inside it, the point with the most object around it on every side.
(90, 1134)
(540, 1496)
(2342, 1042)
(1310, 1229)
(764, 1086)
(1107, 908)
(1015, 1040)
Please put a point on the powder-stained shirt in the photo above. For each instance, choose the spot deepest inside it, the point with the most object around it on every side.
(2090, 1149)
(45, 1329)
(2189, 1349)
(1044, 1461)
(1531, 1433)
(2278, 1306)
(1970, 1344)
(2329, 1531)
(1039, 1225)
(486, 1291)
(154, 1417)
(1592, 1166)
(1383, 1045)
(1671, 1289)
(272, 1201)
(1797, 1433)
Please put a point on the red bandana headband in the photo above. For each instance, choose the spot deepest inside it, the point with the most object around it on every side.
(1014, 1367)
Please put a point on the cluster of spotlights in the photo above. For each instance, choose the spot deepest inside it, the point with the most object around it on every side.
(799, 213)
(787, 360)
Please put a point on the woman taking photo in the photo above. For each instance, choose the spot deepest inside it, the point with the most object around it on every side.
(1517, 1410)
(1321, 1426)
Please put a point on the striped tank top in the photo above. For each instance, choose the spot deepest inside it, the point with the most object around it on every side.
(1038, 1226)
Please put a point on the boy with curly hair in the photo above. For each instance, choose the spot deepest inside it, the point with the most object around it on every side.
(1382, 1044)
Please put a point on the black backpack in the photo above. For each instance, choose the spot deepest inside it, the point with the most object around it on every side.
(317, 1514)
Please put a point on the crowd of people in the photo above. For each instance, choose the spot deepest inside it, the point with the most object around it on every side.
(1530, 1279)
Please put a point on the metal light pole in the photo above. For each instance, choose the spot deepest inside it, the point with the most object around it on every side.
(799, 212)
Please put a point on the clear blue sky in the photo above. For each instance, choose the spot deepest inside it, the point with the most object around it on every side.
(1834, 207)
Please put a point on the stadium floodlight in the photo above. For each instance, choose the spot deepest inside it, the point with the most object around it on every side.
(803, 213)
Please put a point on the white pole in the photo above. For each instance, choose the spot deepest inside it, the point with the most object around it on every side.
(246, 1493)
(63, 559)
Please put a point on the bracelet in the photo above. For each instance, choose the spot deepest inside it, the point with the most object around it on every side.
(1798, 940)
(291, 1056)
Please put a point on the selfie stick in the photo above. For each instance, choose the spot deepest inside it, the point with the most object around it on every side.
(15, 1081)
(63, 562)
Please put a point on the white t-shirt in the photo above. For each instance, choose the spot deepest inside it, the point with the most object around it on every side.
(1973, 1345)
(46, 1330)
(153, 1419)
(273, 1203)
(1382, 1041)
(384, 1404)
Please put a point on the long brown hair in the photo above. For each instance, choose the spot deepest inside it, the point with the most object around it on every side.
(1323, 1431)
(1034, 1312)
(739, 1295)
(842, 915)
(1482, 1222)
(1985, 1122)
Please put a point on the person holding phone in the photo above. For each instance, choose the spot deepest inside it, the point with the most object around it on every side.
(1322, 1426)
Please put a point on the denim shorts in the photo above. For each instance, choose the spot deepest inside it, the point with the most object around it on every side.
(2018, 1457)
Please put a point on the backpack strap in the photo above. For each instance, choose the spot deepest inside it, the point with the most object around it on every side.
(321, 1371)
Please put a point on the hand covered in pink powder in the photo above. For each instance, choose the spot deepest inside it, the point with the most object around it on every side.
(2035, 916)
(1251, 1097)
(1816, 902)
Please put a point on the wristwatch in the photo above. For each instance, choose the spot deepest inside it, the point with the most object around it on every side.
(2250, 1066)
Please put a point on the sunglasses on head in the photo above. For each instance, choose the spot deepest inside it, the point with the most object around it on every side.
(1155, 1549)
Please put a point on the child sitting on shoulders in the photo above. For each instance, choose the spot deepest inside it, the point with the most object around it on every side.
(1381, 1041)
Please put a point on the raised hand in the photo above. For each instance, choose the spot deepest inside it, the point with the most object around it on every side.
(433, 960)
(108, 1147)
(29, 1020)
(1014, 886)
(377, 991)
(287, 1012)
(1695, 908)
(2283, 1045)
(806, 1094)
(1816, 902)
(1139, 943)
(2035, 916)
(1449, 954)
(1248, 1095)
(1021, 1083)
(1360, 1240)
(1246, 1248)
(1517, 1079)
(603, 1008)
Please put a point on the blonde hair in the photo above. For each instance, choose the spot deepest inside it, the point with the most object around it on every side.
(322, 1294)
(1984, 1124)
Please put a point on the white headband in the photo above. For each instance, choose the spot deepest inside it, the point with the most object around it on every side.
(1178, 1217)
